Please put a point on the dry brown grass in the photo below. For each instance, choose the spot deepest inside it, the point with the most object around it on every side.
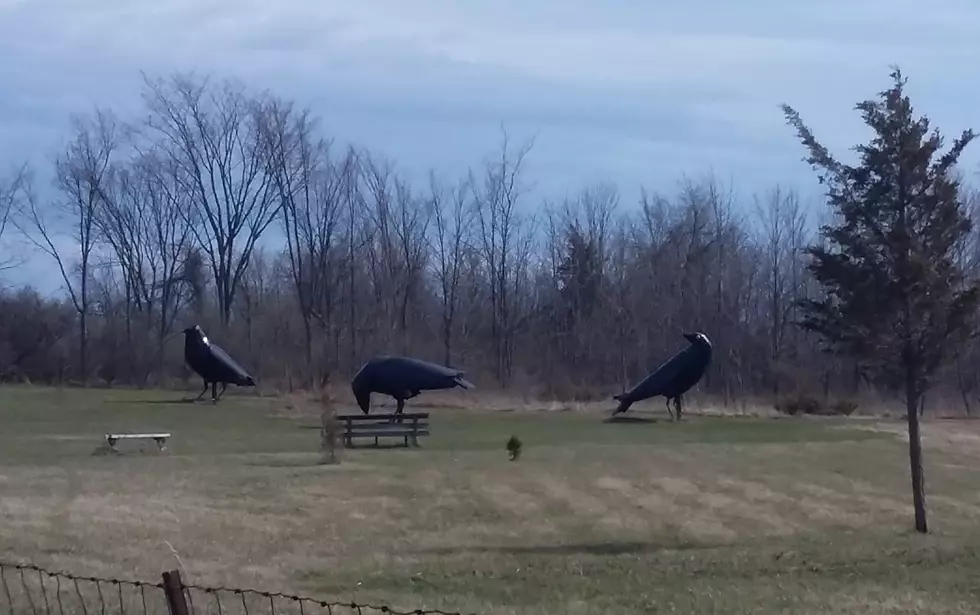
(592, 518)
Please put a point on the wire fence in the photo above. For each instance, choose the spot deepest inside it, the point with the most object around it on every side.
(26, 589)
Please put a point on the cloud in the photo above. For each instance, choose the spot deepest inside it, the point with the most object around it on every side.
(634, 91)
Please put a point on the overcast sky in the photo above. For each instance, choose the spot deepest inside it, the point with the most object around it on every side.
(637, 92)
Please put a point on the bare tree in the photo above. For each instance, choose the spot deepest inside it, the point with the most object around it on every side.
(367, 260)
(498, 220)
(382, 262)
(578, 237)
(783, 226)
(968, 260)
(139, 219)
(213, 135)
(621, 257)
(413, 217)
(310, 187)
(34, 332)
(11, 194)
(398, 250)
(452, 218)
(356, 240)
(81, 172)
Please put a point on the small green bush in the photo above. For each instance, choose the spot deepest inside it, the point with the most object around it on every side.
(514, 447)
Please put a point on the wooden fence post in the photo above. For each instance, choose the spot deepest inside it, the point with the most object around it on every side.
(173, 588)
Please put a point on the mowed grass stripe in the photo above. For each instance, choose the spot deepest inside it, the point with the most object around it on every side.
(709, 515)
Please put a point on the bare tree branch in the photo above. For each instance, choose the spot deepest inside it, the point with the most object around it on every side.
(213, 136)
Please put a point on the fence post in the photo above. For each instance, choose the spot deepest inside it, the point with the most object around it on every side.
(173, 588)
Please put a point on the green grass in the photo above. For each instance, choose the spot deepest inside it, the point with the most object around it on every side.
(729, 515)
(77, 418)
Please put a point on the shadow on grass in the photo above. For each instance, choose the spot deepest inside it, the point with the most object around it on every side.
(285, 463)
(182, 400)
(599, 548)
(630, 419)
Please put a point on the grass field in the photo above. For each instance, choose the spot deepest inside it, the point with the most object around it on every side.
(719, 515)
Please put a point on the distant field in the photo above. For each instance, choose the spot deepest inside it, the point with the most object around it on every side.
(720, 515)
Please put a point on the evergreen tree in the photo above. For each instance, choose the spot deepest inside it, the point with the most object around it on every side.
(894, 296)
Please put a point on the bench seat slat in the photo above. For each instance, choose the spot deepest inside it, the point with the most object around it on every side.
(357, 418)
(393, 434)
(386, 425)
(385, 419)
(390, 429)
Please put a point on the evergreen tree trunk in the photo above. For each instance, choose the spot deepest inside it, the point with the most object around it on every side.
(915, 456)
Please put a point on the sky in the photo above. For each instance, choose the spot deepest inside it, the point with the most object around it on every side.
(635, 92)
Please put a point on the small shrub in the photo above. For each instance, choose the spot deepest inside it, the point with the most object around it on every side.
(801, 403)
(797, 405)
(843, 407)
(514, 447)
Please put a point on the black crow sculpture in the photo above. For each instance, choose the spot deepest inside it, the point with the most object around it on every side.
(402, 378)
(673, 378)
(212, 364)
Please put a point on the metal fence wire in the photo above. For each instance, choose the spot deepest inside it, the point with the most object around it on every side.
(29, 590)
(26, 589)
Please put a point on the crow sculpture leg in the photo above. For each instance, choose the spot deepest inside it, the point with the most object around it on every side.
(400, 401)
(224, 387)
(203, 391)
(677, 405)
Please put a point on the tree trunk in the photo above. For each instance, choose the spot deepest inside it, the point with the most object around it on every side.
(310, 380)
(964, 393)
(915, 456)
(447, 340)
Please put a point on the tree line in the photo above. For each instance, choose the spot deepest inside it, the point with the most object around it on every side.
(230, 208)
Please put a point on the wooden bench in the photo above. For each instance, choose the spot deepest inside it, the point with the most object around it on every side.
(159, 438)
(408, 425)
